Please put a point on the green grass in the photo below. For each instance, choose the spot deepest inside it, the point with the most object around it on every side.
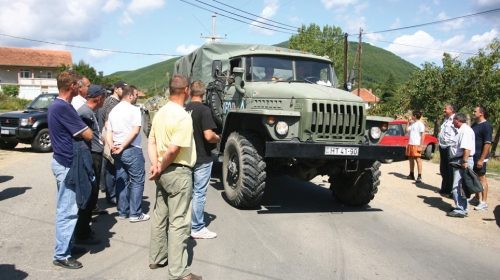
(492, 167)
(8, 103)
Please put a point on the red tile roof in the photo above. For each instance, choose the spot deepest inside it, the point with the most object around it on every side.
(34, 57)
(366, 95)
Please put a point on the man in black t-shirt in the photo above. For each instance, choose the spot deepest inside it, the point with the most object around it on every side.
(483, 131)
(203, 125)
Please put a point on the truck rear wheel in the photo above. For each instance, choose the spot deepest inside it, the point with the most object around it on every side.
(243, 169)
(41, 143)
(146, 123)
(356, 188)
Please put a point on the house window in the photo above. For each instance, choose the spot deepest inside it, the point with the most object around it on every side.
(25, 74)
(49, 75)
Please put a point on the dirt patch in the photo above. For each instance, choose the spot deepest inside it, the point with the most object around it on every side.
(422, 202)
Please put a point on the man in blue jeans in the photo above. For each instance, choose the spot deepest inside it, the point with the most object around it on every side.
(204, 136)
(64, 125)
(124, 138)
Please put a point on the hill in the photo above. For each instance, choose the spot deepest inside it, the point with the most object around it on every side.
(377, 63)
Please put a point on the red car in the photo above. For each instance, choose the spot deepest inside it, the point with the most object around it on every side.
(396, 136)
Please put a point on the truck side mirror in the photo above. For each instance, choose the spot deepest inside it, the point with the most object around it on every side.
(216, 68)
(238, 79)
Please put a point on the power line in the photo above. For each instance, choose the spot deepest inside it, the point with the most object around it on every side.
(87, 48)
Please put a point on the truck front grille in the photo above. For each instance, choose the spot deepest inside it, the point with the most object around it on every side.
(9, 122)
(337, 120)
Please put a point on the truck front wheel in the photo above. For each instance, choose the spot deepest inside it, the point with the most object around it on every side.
(243, 169)
(41, 143)
(356, 188)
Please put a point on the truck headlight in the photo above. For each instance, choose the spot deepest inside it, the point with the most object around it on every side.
(26, 122)
(375, 132)
(281, 128)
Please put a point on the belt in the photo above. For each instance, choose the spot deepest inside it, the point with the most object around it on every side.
(180, 165)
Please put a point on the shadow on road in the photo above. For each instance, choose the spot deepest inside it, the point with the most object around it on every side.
(496, 213)
(284, 194)
(5, 178)
(436, 202)
(9, 271)
(12, 192)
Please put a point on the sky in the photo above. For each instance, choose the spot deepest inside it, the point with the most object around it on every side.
(119, 35)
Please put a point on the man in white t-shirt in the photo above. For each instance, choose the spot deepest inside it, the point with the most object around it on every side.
(416, 145)
(81, 98)
(124, 138)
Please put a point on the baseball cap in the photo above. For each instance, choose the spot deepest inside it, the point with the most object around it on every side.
(95, 91)
(120, 84)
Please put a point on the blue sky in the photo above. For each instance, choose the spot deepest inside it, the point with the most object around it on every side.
(160, 29)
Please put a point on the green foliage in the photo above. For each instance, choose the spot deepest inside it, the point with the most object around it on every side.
(10, 90)
(10, 103)
(389, 89)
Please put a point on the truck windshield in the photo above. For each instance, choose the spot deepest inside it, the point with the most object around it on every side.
(289, 69)
(42, 102)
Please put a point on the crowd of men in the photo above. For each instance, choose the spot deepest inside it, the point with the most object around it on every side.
(461, 148)
(96, 130)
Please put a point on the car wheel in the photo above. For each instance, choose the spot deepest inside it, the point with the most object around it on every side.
(41, 143)
(428, 152)
(386, 160)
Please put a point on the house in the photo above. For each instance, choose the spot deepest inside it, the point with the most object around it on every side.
(367, 96)
(32, 70)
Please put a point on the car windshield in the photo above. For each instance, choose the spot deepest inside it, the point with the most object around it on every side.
(289, 69)
(42, 102)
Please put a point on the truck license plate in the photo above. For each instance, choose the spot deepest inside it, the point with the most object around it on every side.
(5, 131)
(341, 151)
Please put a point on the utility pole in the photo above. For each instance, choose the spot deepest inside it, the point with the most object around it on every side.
(213, 37)
(346, 45)
(359, 64)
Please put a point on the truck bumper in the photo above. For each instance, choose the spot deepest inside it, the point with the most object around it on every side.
(318, 151)
(17, 133)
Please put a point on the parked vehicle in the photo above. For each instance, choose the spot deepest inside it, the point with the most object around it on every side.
(396, 136)
(29, 126)
(295, 122)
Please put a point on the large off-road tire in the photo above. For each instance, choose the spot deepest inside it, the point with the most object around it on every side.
(146, 123)
(243, 169)
(356, 188)
(4, 145)
(428, 152)
(41, 142)
(215, 96)
(386, 160)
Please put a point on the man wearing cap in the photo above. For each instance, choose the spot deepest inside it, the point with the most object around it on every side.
(95, 99)
(109, 104)
(81, 98)
(123, 134)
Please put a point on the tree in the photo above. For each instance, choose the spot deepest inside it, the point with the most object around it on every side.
(10, 90)
(327, 41)
(389, 89)
(95, 78)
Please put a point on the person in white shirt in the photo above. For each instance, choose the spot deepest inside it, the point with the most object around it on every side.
(446, 139)
(416, 145)
(461, 152)
(124, 139)
(81, 98)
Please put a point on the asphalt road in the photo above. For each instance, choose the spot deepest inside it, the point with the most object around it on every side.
(300, 232)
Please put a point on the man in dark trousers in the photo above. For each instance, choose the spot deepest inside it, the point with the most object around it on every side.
(65, 124)
(95, 99)
(446, 139)
(204, 136)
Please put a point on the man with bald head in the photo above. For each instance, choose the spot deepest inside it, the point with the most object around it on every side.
(172, 152)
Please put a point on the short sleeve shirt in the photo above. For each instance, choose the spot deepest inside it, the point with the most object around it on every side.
(202, 120)
(173, 125)
(121, 119)
(64, 124)
(484, 133)
(95, 145)
(416, 129)
(464, 139)
(447, 134)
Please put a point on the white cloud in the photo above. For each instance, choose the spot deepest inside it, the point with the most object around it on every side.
(141, 6)
(61, 21)
(295, 20)
(396, 24)
(423, 9)
(96, 55)
(112, 5)
(330, 3)
(454, 24)
(422, 46)
(361, 7)
(270, 8)
(186, 50)
(125, 19)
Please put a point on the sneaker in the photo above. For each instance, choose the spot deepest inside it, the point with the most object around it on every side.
(474, 201)
(98, 211)
(122, 217)
(481, 206)
(204, 233)
(419, 180)
(141, 218)
(410, 177)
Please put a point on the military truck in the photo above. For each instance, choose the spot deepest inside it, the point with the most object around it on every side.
(279, 111)
(151, 106)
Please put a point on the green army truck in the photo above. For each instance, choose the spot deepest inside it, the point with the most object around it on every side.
(279, 111)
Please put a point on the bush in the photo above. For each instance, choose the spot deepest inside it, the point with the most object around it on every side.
(8, 103)
(10, 90)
